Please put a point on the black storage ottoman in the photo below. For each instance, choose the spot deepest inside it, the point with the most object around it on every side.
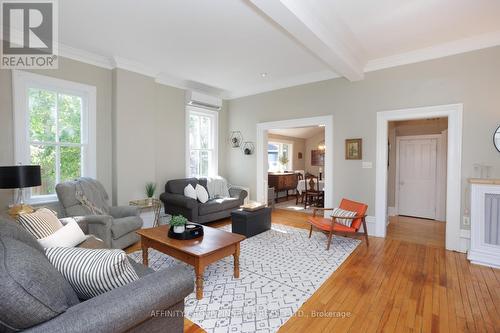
(251, 223)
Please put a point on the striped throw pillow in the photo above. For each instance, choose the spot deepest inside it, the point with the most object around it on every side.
(92, 272)
(343, 213)
(41, 223)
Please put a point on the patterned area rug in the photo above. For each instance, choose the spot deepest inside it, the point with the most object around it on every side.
(279, 270)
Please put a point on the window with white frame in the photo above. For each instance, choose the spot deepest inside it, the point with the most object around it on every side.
(202, 141)
(54, 128)
(277, 153)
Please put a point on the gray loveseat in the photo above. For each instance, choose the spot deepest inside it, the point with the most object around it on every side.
(36, 298)
(215, 209)
(116, 226)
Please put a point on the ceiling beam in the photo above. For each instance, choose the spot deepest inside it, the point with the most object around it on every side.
(311, 23)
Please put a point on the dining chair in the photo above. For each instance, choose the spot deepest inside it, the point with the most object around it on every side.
(300, 176)
(331, 225)
(313, 196)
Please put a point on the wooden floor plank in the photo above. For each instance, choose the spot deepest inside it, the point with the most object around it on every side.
(406, 282)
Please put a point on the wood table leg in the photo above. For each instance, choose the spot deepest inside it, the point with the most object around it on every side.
(236, 256)
(144, 247)
(199, 280)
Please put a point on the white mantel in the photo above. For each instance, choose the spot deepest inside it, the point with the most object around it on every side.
(484, 181)
(485, 222)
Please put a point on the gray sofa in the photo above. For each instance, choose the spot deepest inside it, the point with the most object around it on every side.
(36, 298)
(116, 226)
(176, 203)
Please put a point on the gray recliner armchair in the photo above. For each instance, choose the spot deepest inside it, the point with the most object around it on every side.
(116, 226)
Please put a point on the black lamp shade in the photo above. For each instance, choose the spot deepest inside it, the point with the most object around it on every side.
(20, 176)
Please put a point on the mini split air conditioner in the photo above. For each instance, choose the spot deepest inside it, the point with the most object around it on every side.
(201, 100)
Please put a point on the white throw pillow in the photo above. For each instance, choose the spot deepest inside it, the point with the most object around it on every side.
(201, 193)
(190, 192)
(92, 272)
(68, 236)
(41, 223)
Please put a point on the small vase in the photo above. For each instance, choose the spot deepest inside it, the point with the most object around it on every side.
(179, 229)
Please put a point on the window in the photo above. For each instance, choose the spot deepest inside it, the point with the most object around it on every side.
(54, 128)
(201, 142)
(278, 152)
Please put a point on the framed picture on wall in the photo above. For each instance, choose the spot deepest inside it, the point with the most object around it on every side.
(317, 157)
(354, 149)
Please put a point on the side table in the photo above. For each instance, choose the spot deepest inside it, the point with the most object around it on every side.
(151, 203)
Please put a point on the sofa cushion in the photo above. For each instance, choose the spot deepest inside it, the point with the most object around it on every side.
(11, 229)
(217, 205)
(31, 289)
(125, 225)
(177, 185)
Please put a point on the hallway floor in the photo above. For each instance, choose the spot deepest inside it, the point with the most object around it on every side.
(415, 230)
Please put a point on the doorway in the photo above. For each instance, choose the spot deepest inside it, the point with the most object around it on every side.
(294, 155)
(416, 183)
(453, 113)
(326, 122)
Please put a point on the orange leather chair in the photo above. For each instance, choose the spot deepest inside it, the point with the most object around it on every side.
(331, 226)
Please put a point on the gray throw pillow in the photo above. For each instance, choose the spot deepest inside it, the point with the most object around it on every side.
(31, 289)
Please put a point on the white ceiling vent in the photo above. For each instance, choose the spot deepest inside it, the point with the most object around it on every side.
(203, 101)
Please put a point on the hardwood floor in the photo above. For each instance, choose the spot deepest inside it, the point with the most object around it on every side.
(414, 230)
(404, 283)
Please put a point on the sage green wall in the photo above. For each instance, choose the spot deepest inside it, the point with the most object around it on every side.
(134, 132)
(471, 78)
(140, 129)
(149, 135)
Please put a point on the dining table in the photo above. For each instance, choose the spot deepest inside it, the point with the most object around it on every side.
(301, 185)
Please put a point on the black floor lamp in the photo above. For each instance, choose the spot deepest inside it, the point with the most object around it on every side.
(19, 177)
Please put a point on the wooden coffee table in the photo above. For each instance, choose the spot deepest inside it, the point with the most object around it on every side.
(199, 253)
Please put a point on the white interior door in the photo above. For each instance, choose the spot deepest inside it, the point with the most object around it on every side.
(417, 183)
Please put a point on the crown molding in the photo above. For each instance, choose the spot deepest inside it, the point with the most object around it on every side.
(435, 52)
(134, 66)
(85, 56)
(172, 81)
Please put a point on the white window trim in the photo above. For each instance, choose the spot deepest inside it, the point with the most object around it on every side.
(21, 80)
(290, 151)
(214, 169)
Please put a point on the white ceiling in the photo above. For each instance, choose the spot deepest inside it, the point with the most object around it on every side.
(223, 46)
(299, 132)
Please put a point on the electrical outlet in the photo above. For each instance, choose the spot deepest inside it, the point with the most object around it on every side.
(367, 165)
(466, 220)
